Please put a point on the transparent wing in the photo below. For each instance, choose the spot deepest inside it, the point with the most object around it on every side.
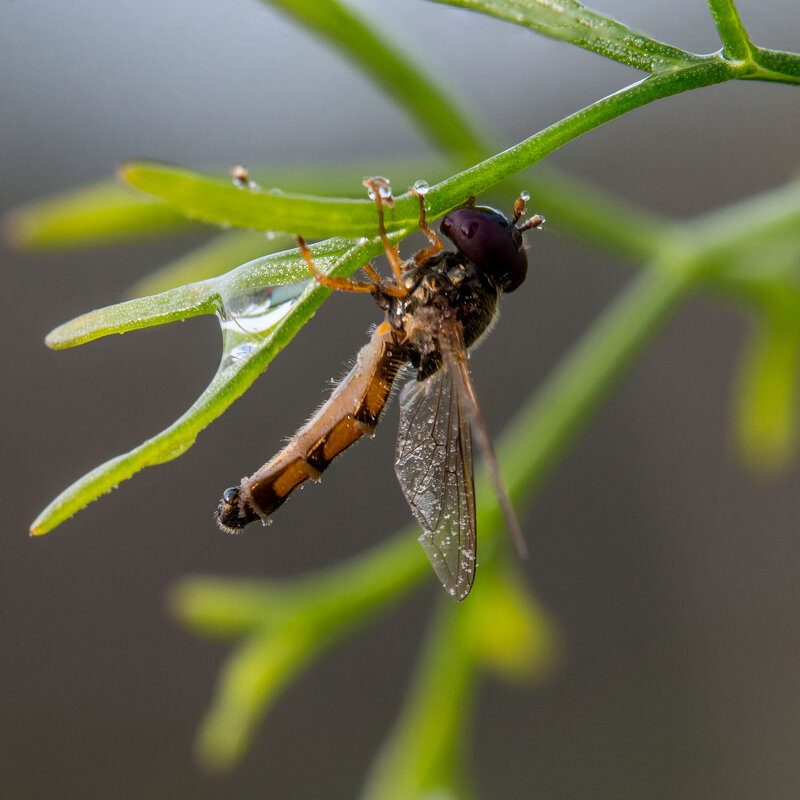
(434, 466)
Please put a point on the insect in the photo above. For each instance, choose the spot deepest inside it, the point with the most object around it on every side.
(437, 305)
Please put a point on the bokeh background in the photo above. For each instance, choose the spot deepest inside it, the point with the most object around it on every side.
(672, 574)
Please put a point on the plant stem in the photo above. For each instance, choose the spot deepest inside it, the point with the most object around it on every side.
(550, 421)
(424, 755)
(477, 179)
(736, 42)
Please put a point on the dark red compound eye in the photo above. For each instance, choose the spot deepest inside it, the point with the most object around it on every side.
(491, 242)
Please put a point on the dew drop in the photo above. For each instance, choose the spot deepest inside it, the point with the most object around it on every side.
(247, 316)
(379, 188)
(525, 195)
(421, 187)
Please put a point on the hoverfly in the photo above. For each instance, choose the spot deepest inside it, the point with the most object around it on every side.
(437, 305)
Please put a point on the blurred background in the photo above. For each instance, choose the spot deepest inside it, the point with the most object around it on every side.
(672, 574)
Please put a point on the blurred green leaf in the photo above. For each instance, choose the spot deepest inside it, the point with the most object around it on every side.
(509, 633)
(92, 215)
(219, 607)
(433, 108)
(287, 624)
(252, 678)
(766, 394)
(216, 606)
(425, 754)
(573, 22)
(109, 211)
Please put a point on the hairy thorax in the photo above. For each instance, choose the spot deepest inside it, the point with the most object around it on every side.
(444, 288)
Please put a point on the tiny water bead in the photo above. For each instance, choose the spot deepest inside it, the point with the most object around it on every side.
(525, 195)
(421, 187)
(379, 189)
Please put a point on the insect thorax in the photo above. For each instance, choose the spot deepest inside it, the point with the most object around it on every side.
(447, 288)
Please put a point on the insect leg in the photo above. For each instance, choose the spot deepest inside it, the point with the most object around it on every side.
(371, 273)
(331, 282)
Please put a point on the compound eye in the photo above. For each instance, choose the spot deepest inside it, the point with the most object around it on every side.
(227, 514)
(231, 495)
(491, 242)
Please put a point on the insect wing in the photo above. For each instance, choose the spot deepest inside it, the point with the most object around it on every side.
(433, 463)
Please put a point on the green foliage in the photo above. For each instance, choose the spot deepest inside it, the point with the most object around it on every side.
(280, 627)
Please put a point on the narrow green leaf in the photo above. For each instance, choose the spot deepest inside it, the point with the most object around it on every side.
(292, 622)
(233, 377)
(424, 755)
(431, 107)
(205, 297)
(219, 201)
(508, 630)
(227, 607)
(732, 33)
(215, 606)
(92, 215)
(251, 680)
(766, 395)
(452, 191)
(108, 211)
(211, 260)
(776, 65)
(571, 21)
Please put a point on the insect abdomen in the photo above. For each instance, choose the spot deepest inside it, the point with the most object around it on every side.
(351, 412)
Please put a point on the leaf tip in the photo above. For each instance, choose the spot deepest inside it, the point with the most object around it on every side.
(55, 339)
(124, 170)
(38, 528)
(16, 230)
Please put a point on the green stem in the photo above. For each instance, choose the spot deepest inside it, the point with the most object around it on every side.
(573, 22)
(481, 177)
(736, 42)
(425, 754)
(550, 421)
(776, 65)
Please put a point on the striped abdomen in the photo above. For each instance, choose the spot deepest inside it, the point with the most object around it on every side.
(351, 412)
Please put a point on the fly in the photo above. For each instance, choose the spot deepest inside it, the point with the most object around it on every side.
(437, 305)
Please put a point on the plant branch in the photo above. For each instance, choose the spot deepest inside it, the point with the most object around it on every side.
(573, 22)
(215, 200)
(735, 40)
(776, 65)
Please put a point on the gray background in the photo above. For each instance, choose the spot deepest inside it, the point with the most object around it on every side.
(672, 575)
